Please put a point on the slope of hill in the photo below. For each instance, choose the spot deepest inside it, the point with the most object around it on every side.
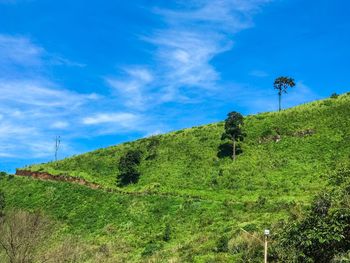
(191, 188)
(196, 162)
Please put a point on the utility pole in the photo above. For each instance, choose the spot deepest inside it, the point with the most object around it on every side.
(57, 146)
(266, 234)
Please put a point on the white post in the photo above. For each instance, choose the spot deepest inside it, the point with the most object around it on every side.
(266, 233)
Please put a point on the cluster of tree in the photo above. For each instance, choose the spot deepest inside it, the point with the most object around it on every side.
(128, 168)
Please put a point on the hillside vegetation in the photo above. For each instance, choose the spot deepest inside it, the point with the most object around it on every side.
(192, 203)
(196, 162)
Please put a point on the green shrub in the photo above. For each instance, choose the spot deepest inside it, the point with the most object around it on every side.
(334, 96)
(167, 233)
(261, 201)
(2, 175)
(128, 167)
(318, 237)
(2, 203)
(222, 244)
(248, 246)
(151, 248)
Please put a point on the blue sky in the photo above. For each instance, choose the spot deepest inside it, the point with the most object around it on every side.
(99, 73)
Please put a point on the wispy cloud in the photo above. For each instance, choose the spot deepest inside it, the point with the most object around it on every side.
(133, 87)
(34, 108)
(194, 34)
(60, 125)
(31, 115)
(19, 51)
(123, 119)
(39, 93)
(21, 56)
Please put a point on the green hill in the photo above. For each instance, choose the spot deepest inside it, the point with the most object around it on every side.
(189, 186)
(196, 162)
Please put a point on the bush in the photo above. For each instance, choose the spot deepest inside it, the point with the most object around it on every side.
(322, 234)
(2, 204)
(334, 95)
(2, 175)
(151, 248)
(222, 244)
(261, 201)
(248, 246)
(152, 146)
(167, 233)
(128, 168)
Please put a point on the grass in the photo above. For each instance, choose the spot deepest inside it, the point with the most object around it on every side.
(139, 222)
(196, 162)
(190, 183)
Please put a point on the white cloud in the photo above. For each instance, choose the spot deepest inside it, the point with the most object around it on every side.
(120, 123)
(193, 35)
(133, 87)
(60, 125)
(32, 108)
(20, 56)
(40, 93)
(122, 119)
(35, 109)
(20, 51)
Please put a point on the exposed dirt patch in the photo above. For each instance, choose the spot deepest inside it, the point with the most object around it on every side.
(61, 178)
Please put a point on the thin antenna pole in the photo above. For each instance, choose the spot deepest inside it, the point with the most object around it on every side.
(57, 146)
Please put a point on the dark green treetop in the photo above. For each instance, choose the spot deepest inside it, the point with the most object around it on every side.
(233, 129)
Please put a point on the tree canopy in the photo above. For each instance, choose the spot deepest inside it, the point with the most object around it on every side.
(233, 129)
(282, 84)
(128, 168)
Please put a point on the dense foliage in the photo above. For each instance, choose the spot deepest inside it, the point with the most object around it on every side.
(324, 232)
(233, 130)
(128, 168)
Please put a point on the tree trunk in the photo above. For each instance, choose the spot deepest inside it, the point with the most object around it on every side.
(234, 149)
(279, 101)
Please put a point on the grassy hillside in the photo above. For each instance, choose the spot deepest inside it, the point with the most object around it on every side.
(196, 162)
(190, 185)
(133, 227)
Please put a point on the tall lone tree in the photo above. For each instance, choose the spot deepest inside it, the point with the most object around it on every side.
(282, 84)
(233, 130)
